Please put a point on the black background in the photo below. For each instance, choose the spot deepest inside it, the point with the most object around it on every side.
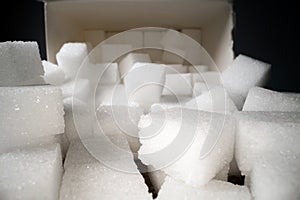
(265, 30)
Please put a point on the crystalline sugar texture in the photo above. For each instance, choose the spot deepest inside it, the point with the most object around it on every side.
(175, 137)
(87, 178)
(144, 83)
(79, 89)
(20, 64)
(260, 99)
(267, 152)
(127, 63)
(201, 88)
(70, 58)
(30, 112)
(210, 77)
(115, 120)
(243, 74)
(77, 120)
(178, 84)
(170, 101)
(54, 75)
(31, 173)
(111, 95)
(177, 190)
(214, 100)
(100, 73)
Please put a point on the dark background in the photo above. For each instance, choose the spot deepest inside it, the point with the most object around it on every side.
(265, 30)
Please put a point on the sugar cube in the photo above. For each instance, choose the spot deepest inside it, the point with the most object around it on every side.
(172, 140)
(70, 58)
(144, 83)
(214, 100)
(133, 38)
(88, 178)
(173, 56)
(80, 125)
(115, 120)
(31, 173)
(243, 74)
(20, 64)
(170, 101)
(210, 77)
(176, 68)
(267, 153)
(152, 38)
(109, 53)
(201, 88)
(223, 174)
(111, 95)
(79, 89)
(127, 62)
(197, 69)
(100, 73)
(177, 190)
(260, 99)
(94, 37)
(30, 112)
(178, 84)
(54, 75)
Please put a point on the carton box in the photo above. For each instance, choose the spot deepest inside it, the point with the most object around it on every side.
(66, 21)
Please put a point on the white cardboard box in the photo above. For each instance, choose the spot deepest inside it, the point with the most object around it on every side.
(67, 20)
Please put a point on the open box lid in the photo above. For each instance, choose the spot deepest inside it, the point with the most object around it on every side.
(66, 21)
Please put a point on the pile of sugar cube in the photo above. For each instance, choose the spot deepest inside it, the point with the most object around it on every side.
(185, 131)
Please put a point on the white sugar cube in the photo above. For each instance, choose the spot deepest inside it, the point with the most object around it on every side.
(70, 58)
(201, 88)
(115, 120)
(210, 77)
(133, 38)
(173, 56)
(94, 37)
(267, 152)
(20, 64)
(260, 99)
(111, 95)
(152, 38)
(170, 101)
(54, 74)
(177, 190)
(198, 69)
(165, 143)
(86, 177)
(127, 62)
(195, 34)
(97, 181)
(100, 73)
(111, 52)
(176, 68)
(30, 112)
(31, 173)
(214, 100)
(178, 84)
(243, 74)
(144, 83)
(77, 120)
(79, 89)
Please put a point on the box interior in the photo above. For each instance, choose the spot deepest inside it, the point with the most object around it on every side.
(67, 20)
